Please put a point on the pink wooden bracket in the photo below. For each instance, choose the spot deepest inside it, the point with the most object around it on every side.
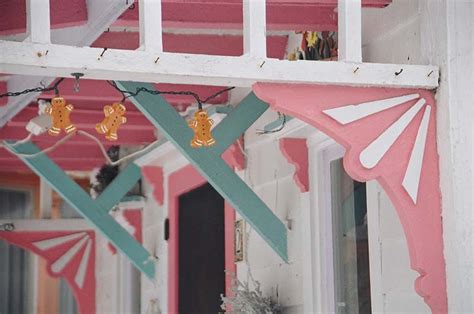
(389, 135)
(131, 220)
(154, 176)
(295, 151)
(234, 156)
(70, 255)
(3, 89)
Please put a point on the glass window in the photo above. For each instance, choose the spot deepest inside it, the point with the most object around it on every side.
(350, 242)
(16, 288)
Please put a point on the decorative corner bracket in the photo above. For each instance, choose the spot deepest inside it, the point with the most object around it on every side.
(295, 151)
(68, 254)
(154, 176)
(389, 135)
(130, 220)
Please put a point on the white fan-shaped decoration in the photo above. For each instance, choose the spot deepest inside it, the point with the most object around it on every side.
(376, 150)
(59, 265)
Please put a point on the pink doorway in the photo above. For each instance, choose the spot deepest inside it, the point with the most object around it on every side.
(187, 187)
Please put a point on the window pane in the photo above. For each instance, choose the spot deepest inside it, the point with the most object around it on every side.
(16, 288)
(67, 302)
(15, 204)
(351, 247)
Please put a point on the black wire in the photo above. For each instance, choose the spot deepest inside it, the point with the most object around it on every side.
(282, 126)
(36, 89)
(127, 94)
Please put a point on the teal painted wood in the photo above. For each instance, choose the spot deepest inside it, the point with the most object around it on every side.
(113, 194)
(223, 109)
(211, 166)
(81, 201)
(237, 122)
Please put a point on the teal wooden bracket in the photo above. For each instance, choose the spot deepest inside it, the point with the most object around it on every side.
(209, 163)
(94, 211)
(225, 109)
(237, 122)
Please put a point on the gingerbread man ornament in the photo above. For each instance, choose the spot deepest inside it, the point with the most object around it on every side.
(201, 125)
(59, 113)
(114, 117)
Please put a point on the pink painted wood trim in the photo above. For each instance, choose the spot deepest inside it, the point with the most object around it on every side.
(134, 218)
(421, 221)
(64, 13)
(234, 156)
(85, 295)
(180, 182)
(154, 176)
(295, 151)
(281, 15)
(225, 45)
(3, 89)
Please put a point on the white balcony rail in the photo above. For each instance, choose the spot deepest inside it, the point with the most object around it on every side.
(151, 64)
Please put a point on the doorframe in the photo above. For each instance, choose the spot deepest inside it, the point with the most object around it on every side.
(322, 150)
(180, 182)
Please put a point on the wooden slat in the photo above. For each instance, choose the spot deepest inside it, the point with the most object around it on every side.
(213, 168)
(237, 122)
(255, 28)
(150, 25)
(38, 22)
(349, 30)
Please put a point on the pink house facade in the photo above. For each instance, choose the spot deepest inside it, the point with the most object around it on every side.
(340, 180)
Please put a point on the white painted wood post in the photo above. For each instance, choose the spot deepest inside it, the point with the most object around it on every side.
(46, 199)
(151, 32)
(255, 40)
(349, 30)
(38, 21)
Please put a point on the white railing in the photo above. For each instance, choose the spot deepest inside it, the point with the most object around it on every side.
(151, 64)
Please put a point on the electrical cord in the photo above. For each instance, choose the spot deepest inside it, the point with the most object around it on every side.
(67, 137)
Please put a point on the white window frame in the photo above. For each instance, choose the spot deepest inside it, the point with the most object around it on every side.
(319, 262)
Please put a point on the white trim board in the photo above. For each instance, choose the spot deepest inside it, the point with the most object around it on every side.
(48, 224)
(179, 68)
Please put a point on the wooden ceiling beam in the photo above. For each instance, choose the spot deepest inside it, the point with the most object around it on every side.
(178, 68)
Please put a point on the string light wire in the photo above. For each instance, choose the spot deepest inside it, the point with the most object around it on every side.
(54, 87)
(67, 137)
(127, 94)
